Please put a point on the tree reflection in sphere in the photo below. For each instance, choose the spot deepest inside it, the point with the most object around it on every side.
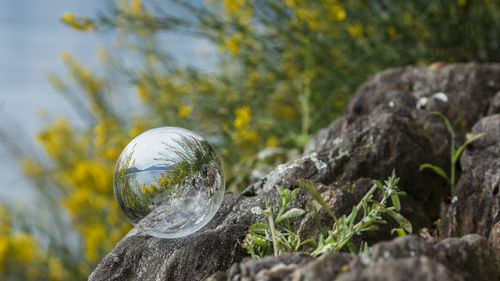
(168, 182)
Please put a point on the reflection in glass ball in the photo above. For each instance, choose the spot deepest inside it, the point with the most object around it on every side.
(168, 182)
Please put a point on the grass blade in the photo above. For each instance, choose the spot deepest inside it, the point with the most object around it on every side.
(462, 147)
(436, 169)
(446, 122)
(313, 191)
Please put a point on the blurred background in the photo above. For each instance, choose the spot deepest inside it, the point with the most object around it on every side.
(80, 79)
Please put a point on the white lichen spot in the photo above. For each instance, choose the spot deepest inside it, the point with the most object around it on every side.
(320, 165)
(391, 104)
(422, 102)
(256, 210)
(440, 96)
(454, 199)
(387, 255)
(337, 141)
(342, 153)
(365, 258)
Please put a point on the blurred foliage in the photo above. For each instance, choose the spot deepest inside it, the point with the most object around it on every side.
(284, 69)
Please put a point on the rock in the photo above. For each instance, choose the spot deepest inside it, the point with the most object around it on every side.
(495, 105)
(387, 127)
(476, 205)
(407, 258)
(462, 92)
(494, 237)
(141, 257)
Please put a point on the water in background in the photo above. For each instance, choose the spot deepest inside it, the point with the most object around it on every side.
(31, 40)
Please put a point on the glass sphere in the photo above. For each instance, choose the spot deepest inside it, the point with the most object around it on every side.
(168, 182)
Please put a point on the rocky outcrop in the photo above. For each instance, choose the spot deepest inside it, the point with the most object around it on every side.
(470, 258)
(475, 206)
(388, 126)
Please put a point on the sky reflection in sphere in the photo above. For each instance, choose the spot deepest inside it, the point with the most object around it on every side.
(168, 182)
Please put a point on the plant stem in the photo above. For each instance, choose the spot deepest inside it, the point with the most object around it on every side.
(452, 172)
(273, 233)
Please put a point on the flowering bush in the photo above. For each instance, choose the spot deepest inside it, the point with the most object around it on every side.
(284, 70)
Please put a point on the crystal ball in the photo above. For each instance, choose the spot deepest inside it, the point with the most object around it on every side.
(169, 182)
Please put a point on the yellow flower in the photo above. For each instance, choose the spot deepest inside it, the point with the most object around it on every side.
(24, 247)
(184, 111)
(77, 201)
(142, 92)
(391, 31)
(233, 43)
(4, 247)
(243, 115)
(94, 235)
(67, 17)
(56, 138)
(31, 167)
(136, 7)
(56, 270)
(355, 29)
(78, 22)
(285, 111)
(337, 12)
(233, 7)
(55, 81)
(407, 17)
(272, 141)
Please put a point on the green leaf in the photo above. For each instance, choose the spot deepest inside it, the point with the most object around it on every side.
(313, 191)
(351, 247)
(292, 213)
(401, 232)
(379, 184)
(259, 228)
(372, 227)
(363, 247)
(308, 241)
(259, 240)
(403, 222)
(462, 147)
(294, 192)
(395, 202)
(352, 216)
(316, 216)
(436, 170)
(446, 122)
(284, 193)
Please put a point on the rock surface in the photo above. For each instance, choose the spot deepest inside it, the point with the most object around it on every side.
(408, 258)
(476, 205)
(388, 126)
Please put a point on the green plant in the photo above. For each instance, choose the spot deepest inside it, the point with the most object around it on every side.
(454, 154)
(279, 233)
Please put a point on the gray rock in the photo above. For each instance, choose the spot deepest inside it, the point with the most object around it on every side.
(495, 105)
(494, 237)
(407, 258)
(476, 207)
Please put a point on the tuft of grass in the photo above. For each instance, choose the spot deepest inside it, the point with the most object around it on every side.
(455, 154)
(278, 234)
